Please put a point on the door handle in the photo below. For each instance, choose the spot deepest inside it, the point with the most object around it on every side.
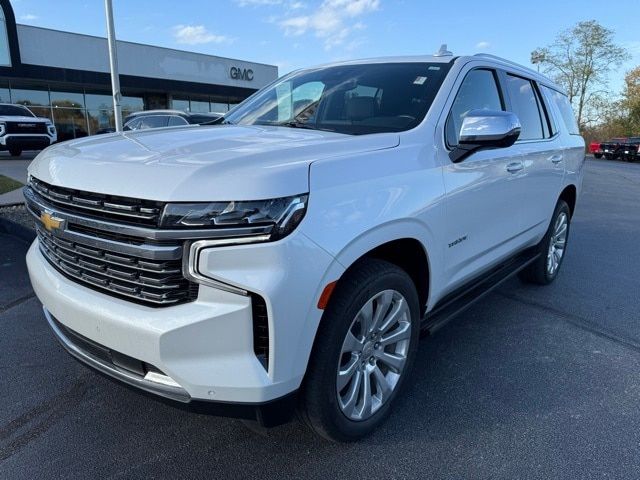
(515, 167)
(556, 158)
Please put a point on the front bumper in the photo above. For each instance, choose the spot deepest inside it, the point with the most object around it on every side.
(205, 347)
(26, 142)
(268, 414)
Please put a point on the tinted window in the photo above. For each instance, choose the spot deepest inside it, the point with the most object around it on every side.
(175, 121)
(479, 91)
(566, 112)
(524, 104)
(351, 99)
(14, 111)
(151, 121)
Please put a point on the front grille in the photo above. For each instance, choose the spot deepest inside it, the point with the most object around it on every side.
(153, 283)
(97, 205)
(26, 127)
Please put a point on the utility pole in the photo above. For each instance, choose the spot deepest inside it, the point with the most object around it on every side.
(113, 64)
(537, 57)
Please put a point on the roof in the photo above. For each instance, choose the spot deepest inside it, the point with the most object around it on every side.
(492, 59)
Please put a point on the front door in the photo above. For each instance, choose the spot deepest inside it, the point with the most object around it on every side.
(483, 192)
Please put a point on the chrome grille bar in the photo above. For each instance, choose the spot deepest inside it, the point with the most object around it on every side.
(95, 203)
(157, 287)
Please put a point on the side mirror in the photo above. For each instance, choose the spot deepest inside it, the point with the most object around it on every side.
(483, 130)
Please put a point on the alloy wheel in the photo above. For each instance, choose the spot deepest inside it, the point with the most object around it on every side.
(373, 355)
(557, 243)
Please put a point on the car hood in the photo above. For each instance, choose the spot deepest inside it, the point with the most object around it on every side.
(215, 163)
(25, 119)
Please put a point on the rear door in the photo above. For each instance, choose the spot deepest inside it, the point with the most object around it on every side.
(543, 155)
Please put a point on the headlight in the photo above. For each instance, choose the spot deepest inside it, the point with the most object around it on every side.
(52, 129)
(281, 214)
(3, 128)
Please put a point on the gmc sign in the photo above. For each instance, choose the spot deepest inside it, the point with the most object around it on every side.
(241, 74)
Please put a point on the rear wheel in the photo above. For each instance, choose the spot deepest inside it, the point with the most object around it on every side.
(15, 152)
(363, 352)
(597, 155)
(552, 248)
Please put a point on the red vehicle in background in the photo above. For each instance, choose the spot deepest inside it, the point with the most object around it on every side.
(594, 148)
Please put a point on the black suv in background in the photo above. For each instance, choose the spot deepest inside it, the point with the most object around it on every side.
(629, 149)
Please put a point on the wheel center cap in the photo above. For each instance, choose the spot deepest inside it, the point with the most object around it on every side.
(368, 349)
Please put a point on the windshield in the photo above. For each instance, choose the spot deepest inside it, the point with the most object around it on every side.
(351, 99)
(15, 111)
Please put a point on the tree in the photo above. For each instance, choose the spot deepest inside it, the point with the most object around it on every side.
(631, 100)
(579, 60)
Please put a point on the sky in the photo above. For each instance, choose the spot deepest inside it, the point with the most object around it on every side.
(299, 33)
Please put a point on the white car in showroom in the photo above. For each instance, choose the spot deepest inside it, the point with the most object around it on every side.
(288, 258)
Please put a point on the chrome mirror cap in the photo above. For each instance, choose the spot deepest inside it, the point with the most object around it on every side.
(485, 129)
(490, 127)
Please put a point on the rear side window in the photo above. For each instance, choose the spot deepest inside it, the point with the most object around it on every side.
(174, 121)
(479, 91)
(525, 104)
(564, 107)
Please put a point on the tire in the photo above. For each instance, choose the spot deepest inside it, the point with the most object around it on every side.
(324, 407)
(545, 269)
(597, 155)
(15, 152)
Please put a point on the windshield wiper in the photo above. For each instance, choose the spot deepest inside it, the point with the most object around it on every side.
(297, 124)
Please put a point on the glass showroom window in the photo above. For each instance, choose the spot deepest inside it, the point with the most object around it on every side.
(99, 112)
(35, 100)
(178, 103)
(5, 55)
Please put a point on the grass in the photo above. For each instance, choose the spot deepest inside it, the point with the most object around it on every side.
(8, 184)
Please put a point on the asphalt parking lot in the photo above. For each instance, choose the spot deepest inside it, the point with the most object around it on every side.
(532, 382)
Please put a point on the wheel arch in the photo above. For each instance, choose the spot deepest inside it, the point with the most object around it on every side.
(570, 195)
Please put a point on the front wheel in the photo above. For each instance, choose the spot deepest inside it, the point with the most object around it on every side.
(552, 248)
(597, 155)
(363, 352)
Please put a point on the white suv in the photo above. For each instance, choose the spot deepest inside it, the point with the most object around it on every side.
(289, 257)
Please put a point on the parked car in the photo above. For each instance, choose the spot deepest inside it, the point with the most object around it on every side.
(629, 149)
(595, 149)
(21, 130)
(611, 148)
(290, 257)
(166, 118)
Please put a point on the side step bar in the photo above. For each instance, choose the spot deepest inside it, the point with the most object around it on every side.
(461, 299)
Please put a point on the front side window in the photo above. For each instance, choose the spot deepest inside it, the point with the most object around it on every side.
(349, 99)
(524, 103)
(5, 55)
(479, 91)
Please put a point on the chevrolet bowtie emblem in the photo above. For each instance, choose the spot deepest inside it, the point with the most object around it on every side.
(50, 222)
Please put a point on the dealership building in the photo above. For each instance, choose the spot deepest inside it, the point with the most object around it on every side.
(65, 76)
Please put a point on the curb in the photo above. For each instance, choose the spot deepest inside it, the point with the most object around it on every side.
(16, 230)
